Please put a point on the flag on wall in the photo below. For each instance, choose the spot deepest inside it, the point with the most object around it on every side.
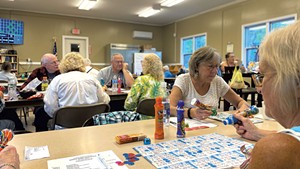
(55, 48)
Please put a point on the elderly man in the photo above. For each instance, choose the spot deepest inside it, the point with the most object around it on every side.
(48, 69)
(118, 68)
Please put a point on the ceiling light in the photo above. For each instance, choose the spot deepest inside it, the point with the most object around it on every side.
(87, 4)
(149, 12)
(169, 3)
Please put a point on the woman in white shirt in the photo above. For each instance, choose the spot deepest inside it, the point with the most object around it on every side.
(202, 83)
(71, 88)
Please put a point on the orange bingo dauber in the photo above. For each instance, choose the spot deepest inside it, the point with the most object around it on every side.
(202, 106)
(5, 136)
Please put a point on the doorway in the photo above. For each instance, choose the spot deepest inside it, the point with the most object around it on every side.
(76, 44)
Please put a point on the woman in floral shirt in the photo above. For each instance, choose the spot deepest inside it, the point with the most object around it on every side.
(147, 85)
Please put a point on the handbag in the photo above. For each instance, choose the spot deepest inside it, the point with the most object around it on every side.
(237, 80)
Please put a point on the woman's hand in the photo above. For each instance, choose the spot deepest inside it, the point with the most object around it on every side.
(200, 114)
(246, 128)
(10, 156)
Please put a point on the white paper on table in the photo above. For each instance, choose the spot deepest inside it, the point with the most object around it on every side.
(100, 160)
(33, 84)
(192, 122)
(32, 153)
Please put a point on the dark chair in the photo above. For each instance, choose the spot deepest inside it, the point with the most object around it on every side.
(88, 122)
(146, 107)
(75, 116)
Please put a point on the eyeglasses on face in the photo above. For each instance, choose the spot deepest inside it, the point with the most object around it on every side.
(54, 62)
(258, 79)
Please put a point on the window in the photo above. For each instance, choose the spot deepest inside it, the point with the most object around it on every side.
(253, 35)
(189, 45)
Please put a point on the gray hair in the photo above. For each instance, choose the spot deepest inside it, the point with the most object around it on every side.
(202, 55)
(45, 58)
(280, 51)
(87, 62)
(115, 54)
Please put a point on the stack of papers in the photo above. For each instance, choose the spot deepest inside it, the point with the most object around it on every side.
(223, 115)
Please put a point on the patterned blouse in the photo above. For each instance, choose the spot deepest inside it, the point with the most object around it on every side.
(144, 87)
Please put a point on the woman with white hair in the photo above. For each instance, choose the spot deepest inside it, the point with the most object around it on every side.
(71, 88)
(280, 66)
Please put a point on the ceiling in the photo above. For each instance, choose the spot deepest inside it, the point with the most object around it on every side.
(119, 10)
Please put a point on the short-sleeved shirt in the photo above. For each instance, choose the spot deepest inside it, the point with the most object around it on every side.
(218, 88)
(107, 74)
(72, 89)
(144, 87)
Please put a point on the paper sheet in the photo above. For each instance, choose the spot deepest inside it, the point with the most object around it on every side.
(101, 160)
(32, 153)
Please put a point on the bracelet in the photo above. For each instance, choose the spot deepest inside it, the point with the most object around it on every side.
(7, 164)
(189, 113)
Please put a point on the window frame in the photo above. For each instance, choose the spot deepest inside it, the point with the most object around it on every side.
(194, 45)
(268, 27)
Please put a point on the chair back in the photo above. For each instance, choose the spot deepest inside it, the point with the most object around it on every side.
(146, 107)
(75, 116)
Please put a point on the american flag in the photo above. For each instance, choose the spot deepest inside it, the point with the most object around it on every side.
(55, 48)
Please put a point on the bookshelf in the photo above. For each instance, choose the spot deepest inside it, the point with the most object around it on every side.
(12, 58)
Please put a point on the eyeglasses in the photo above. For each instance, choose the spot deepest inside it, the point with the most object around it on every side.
(258, 79)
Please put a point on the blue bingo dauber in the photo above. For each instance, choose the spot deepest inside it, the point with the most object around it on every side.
(232, 120)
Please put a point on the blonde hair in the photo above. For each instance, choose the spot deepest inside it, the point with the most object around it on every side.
(280, 51)
(152, 65)
(202, 55)
(72, 61)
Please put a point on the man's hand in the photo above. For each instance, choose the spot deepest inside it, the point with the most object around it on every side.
(125, 66)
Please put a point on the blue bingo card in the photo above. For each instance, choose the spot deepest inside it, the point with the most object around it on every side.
(206, 151)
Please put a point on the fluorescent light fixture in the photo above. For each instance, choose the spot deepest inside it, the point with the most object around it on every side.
(148, 12)
(169, 3)
(87, 4)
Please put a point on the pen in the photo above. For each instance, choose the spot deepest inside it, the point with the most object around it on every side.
(172, 122)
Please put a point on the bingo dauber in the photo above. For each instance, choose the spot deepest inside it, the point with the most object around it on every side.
(246, 113)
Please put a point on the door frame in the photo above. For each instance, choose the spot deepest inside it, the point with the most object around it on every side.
(64, 37)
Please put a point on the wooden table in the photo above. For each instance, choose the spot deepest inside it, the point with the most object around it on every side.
(73, 142)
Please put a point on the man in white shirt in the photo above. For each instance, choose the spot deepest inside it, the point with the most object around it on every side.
(119, 68)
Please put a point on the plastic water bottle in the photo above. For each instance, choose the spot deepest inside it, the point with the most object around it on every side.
(166, 103)
(12, 90)
(159, 124)
(180, 120)
(114, 85)
(45, 83)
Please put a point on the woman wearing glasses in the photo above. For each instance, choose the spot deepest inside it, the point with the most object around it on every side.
(202, 83)
(279, 63)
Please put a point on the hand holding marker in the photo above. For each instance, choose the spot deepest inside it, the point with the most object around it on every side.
(246, 113)
(202, 106)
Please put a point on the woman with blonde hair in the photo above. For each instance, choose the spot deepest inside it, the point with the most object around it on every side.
(280, 66)
(71, 88)
(147, 85)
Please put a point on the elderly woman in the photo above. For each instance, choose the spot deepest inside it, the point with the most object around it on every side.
(71, 88)
(202, 83)
(280, 64)
(147, 85)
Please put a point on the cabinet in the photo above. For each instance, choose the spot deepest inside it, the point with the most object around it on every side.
(13, 59)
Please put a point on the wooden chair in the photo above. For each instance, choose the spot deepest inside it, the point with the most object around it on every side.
(75, 116)
(146, 107)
